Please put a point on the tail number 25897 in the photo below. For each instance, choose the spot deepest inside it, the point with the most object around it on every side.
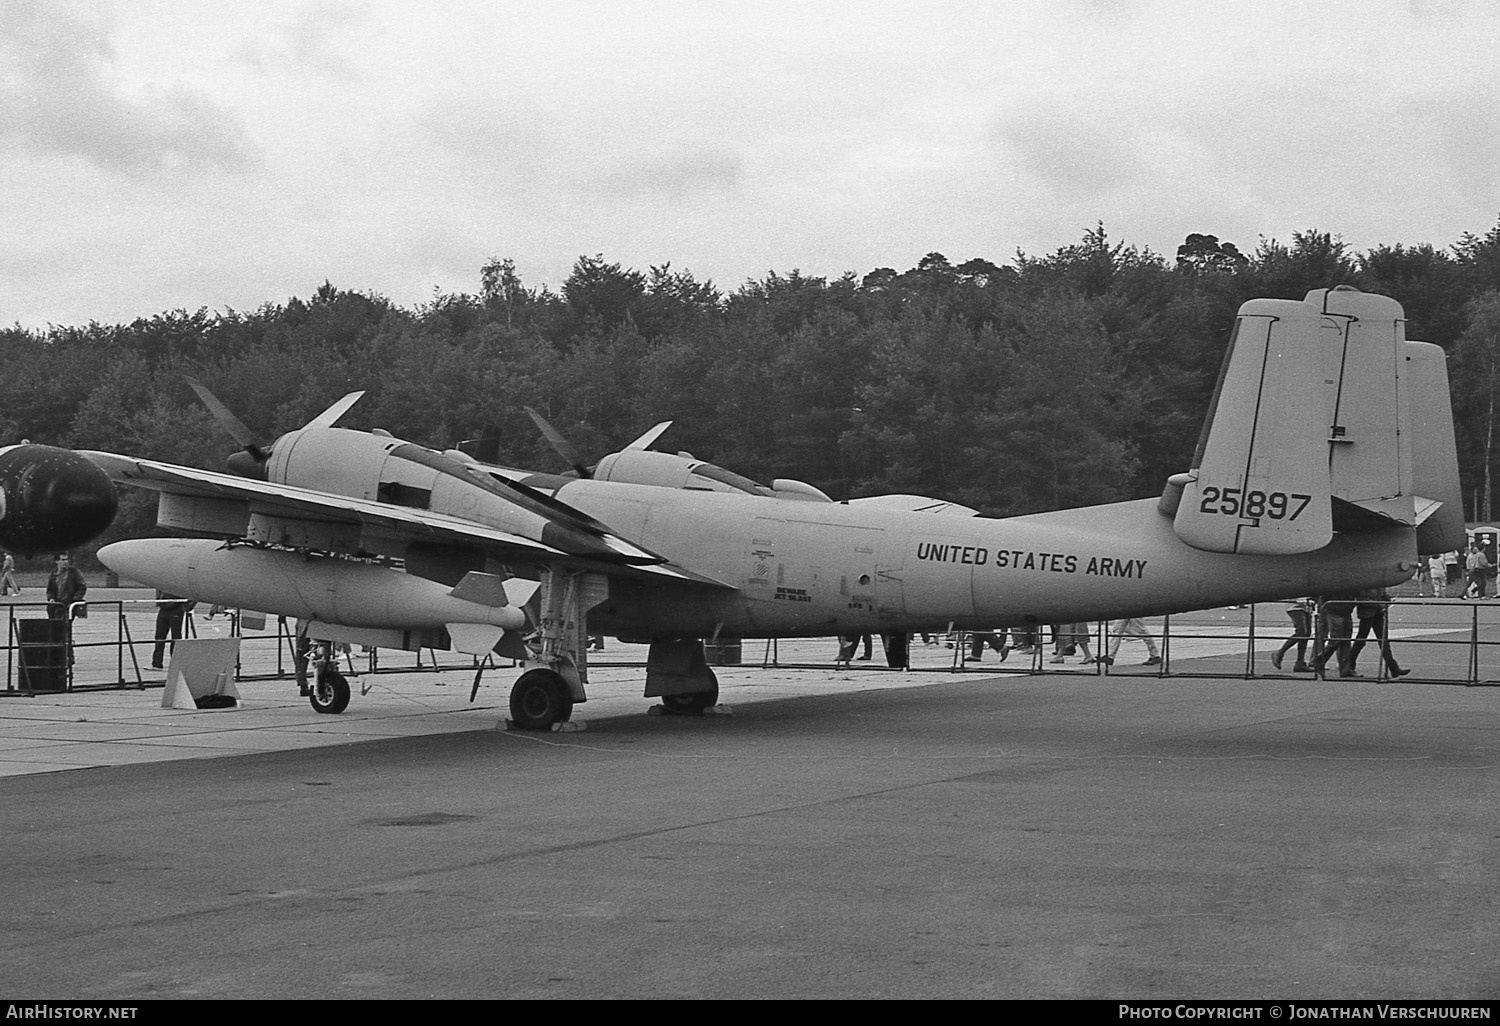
(1234, 502)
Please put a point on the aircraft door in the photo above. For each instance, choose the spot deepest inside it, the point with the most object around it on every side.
(890, 593)
(802, 576)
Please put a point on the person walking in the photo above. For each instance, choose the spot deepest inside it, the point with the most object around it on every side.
(1135, 628)
(1336, 617)
(1300, 612)
(994, 639)
(1437, 569)
(8, 583)
(1478, 568)
(1069, 638)
(1372, 611)
(848, 645)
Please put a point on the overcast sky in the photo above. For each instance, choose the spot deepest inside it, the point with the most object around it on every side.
(157, 154)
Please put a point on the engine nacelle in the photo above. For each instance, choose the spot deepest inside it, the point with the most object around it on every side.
(381, 468)
(647, 467)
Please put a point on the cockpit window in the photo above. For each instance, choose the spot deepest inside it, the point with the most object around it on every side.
(733, 480)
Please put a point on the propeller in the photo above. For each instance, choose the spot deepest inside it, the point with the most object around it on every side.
(560, 444)
(251, 461)
(569, 453)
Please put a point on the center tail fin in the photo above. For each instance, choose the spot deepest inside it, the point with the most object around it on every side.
(1311, 430)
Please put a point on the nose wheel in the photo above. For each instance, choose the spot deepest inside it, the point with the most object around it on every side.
(330, 692)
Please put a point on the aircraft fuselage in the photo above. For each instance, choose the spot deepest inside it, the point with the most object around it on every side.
(815, 569)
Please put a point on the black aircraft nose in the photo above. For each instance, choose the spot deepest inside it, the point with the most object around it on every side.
(51, 499)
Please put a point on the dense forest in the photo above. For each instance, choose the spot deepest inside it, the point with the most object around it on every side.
(1053, 381)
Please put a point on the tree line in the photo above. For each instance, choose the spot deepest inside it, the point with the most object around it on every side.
(1062, 380)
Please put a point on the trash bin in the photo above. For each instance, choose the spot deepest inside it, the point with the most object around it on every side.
(44, 654)
(724, 652)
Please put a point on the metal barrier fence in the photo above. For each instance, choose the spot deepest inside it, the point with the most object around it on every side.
(1449, 641)
(111, 643)
(1432, 641)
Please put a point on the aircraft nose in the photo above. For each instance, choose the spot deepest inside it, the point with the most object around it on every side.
(53, 499)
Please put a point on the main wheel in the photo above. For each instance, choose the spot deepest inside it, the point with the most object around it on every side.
(330, 692)
(691, 703)
(539, 699)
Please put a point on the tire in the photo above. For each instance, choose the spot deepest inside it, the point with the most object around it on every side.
(691, 703)
(539, 699)
(329, 693)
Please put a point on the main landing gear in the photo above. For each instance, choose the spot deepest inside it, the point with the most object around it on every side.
(543, 697)
(540, 698)
(692, 703)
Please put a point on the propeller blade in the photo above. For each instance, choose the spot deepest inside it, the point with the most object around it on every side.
(560, 445)
(646, 440)
(227, 420)
(334, 412)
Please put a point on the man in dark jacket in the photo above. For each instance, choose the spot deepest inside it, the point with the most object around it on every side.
(65, 586)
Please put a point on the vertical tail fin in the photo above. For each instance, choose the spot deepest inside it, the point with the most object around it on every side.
(1434, 452)
(1260, 480)
(1312, 430)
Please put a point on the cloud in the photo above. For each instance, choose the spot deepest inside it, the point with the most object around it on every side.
(1360, 153)
(499, 143)
(56, 97)
(313, 40)
(674, 176)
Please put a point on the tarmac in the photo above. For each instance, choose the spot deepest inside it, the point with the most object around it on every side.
(831, 834)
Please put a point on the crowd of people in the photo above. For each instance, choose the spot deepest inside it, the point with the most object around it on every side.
(1468, 574)
(1068, 640)
(1324, 625)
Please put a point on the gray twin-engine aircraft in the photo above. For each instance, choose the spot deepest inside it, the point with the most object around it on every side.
(1327, 463)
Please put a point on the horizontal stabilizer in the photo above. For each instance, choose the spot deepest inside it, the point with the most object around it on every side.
(1261, 479)
(1425, 508)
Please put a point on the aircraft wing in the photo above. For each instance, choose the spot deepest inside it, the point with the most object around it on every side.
(404, 523)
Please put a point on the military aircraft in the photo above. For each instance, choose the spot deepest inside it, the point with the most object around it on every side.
(1327, 462)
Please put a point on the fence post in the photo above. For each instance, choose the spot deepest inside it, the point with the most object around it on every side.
(120, 643)
(772, 654)
(1250, 647)
(1474, 644)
